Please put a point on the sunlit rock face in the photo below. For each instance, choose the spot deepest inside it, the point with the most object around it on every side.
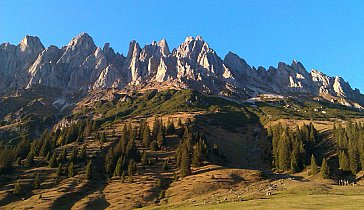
(82, 66)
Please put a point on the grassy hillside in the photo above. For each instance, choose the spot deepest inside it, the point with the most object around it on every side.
(235, 172)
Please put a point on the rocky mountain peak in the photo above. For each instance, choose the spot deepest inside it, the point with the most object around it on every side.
(83, 41)
(81, 65)
(163, 47)
(31, 44)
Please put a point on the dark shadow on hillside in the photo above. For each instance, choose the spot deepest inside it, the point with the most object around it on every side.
(97, 184)
(240, 137)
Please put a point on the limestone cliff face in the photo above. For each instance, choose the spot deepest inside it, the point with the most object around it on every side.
(82, 66)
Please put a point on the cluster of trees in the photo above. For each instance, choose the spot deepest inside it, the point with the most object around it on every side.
(292, 148)
(350, 146)
(123, 157)
(155, 138)
(25, 151)
(192, 149)
(124, 152)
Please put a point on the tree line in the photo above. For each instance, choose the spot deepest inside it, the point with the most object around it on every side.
(350, 146)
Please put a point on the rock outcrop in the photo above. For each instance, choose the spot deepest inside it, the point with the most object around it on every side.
(82, 66)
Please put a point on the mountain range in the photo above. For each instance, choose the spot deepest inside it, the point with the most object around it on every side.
(81, 66)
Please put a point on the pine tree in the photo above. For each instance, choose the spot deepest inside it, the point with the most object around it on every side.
(63, 156)
(131, 167)
(162, 194)
(161, 139)
(294, 162)
(36, 183)
(146, 136)
(354, 160)
(119, 167)
(325, 170)
(73, 156)
(314, 169)
(30, 159)
(18, 161)
(170, 127)
(144, 160)
(88, 172)
(45, 148)
(175, 177)
(71, 170)
(123, 177)
(59, 170)
(156, 127)
(82, 154)
(165, 166)
(179, 123)
(17, 188)
(197, 155)
(344, 163)
(132, 150)
(185, 162)
(283, 152)
(110, 161)
(154, 146)
(53, 161)
(103, 137)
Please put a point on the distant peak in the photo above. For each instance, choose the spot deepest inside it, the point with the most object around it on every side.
(164, 46)
(162, 42)
(191, 38)
(83, 35)
(81, 39)
(31, 42)
(199, 38)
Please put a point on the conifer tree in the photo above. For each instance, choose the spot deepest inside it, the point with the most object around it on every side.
(59, 170)
(197, 155)
(170, 127)
(146, 136)
(156, 127)
(73, 156)
(284, 154)
(103, 137)
(161, 139)
(71, 170)
(354, 160)
(123, 177)
(325, 170)
(30, 159)
(314, 169)
(179, 123)
(131, 167)
(165, 166)
(119, 167)
(132, 150)
(62, 156)
(144, 160)
(110, 161)
(185, 162)
(294, 162)
(88, 172)
(154, 146)
(82, 154)
(36, 183)
(17, 188)
(45, 148)
(53, 161)
(344, 163)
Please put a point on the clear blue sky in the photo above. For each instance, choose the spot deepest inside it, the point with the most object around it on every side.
(324, 34)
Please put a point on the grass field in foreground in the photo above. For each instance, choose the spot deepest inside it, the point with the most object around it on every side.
(293, 202)
(297, 195)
